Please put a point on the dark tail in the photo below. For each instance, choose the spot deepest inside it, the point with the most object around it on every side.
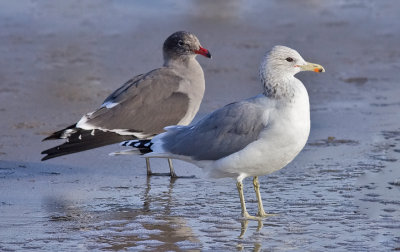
(144, 146)
(81, 140)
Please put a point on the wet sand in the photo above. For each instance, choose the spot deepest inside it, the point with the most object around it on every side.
(60, 60)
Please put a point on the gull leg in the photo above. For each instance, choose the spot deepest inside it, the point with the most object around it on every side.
(149, 173)
(261, 212)
(245, 214)
(172, 173)
(171, 169)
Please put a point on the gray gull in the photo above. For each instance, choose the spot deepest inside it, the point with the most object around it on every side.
(144, 105)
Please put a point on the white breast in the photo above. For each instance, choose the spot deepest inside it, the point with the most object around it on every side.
(278, 144)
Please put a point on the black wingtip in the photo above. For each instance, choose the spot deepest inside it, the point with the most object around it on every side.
(48, 154)
(84, 140)
(58, 134)
(48, 138)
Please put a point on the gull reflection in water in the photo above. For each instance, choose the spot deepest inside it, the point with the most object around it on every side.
(244, 226)
(143, 215)
(245, 222)
(114, 223)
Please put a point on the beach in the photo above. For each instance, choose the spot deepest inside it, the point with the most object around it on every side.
(61, 59)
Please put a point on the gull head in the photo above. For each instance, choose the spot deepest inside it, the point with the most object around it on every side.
(282, 60)
(181, 44)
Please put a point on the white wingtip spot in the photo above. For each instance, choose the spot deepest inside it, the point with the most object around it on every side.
(109, 104)
(67, 133)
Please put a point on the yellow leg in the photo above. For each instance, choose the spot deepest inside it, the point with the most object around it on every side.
(245, 214)
(261, 212)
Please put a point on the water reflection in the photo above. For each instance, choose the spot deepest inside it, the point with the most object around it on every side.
(123, 226)
(148, 215)
(257, 247)
(244, 224)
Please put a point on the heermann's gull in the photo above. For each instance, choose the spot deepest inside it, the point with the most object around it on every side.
(252, 137)
(144, 105)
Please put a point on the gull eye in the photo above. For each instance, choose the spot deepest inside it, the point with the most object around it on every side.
(289, 59)
(180, 43)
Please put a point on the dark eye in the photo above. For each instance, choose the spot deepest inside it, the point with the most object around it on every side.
(180, 43)
(289, 59)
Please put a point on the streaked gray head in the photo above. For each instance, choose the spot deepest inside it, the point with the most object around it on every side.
(282, 60)
(184, 44)
(281, 64)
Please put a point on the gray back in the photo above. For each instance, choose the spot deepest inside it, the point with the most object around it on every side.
(146, 104)
(219, 134)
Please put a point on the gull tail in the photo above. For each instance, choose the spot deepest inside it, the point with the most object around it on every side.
(148, 148)
(143, 146)
(140, 147)
(80, 140)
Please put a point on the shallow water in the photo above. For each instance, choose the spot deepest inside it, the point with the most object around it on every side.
(60, 60)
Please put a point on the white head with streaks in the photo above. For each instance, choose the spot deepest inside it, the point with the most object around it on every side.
(281, 64)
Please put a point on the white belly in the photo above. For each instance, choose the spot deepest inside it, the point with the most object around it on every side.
(277, 145)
